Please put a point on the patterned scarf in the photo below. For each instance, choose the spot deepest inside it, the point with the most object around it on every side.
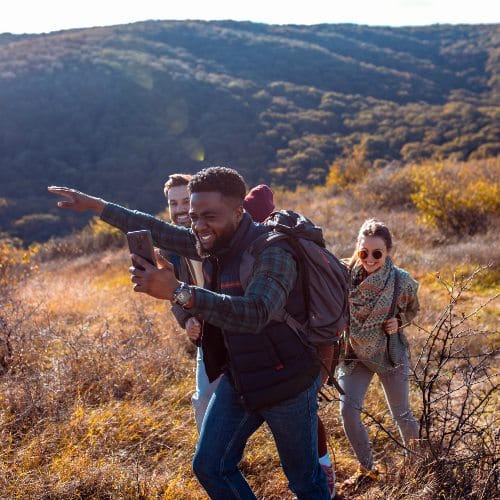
(370, 302)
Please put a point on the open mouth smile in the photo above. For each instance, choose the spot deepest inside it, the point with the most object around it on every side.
(183, 219)
(205, 239)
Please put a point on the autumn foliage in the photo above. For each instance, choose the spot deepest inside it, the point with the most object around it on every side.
(455, 197)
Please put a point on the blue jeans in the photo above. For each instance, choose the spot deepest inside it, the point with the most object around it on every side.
(225, 432)
(204, 390)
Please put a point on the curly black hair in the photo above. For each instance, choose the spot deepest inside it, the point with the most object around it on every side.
(226, 181)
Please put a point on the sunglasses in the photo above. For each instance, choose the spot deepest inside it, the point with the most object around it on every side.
(376, 254)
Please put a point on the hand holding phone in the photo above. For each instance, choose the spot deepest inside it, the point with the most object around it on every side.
(159, 281)
(141, 243)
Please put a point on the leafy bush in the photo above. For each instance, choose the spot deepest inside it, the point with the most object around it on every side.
(389, 186)
(15, 262)
(96, 236)
(458, 198)
(348, 170)
(36, 227)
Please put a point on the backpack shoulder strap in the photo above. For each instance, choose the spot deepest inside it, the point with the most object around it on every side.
(246, 268)
(395, 296)
(255, 249)
(392, 312)
(265, 240)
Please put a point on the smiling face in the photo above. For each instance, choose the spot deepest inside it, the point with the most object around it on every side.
(178, 205)
(214, 220)
(367, 247)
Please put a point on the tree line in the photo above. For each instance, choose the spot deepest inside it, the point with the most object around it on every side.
(115, 110)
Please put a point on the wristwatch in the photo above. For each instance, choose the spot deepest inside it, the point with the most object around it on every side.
(182, 294)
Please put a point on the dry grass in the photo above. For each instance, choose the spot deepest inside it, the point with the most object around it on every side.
(95, 399)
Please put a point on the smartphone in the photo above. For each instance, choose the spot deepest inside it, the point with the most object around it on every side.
(141, 243)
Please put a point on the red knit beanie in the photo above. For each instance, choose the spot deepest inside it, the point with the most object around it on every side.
(259, 202)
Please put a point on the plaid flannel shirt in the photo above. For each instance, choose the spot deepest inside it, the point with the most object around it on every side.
(273, 277)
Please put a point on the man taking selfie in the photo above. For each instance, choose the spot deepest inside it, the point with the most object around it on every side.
(269, 374)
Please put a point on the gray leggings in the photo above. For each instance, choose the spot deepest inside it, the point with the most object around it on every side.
(396, 389)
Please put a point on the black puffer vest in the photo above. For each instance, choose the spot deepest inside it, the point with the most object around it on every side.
(265, 367)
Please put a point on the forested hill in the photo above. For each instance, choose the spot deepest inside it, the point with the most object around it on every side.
(114, 110)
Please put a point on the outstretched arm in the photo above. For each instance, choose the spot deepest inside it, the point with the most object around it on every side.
(165, 235)
(76, 200)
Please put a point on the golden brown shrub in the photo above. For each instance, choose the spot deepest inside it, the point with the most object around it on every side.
(458, 198)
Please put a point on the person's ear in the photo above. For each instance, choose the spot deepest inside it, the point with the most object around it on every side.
(239, 210)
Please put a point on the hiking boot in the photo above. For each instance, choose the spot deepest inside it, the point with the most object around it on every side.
(330, 477)
(360, 478)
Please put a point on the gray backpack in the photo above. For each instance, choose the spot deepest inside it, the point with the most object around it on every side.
(325, 279)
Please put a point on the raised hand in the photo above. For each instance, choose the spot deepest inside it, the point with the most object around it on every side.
(159, 282)
(76, 200)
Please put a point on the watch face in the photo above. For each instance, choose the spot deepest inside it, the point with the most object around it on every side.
(183, 296)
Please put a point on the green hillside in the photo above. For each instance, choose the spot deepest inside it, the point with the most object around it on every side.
(114, 110)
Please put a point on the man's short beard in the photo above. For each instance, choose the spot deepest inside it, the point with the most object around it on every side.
(220, 243)
(202, 253)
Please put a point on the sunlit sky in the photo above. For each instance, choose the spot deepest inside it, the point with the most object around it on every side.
(37, 16)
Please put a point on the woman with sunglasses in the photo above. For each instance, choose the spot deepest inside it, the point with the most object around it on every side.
(382, 301)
